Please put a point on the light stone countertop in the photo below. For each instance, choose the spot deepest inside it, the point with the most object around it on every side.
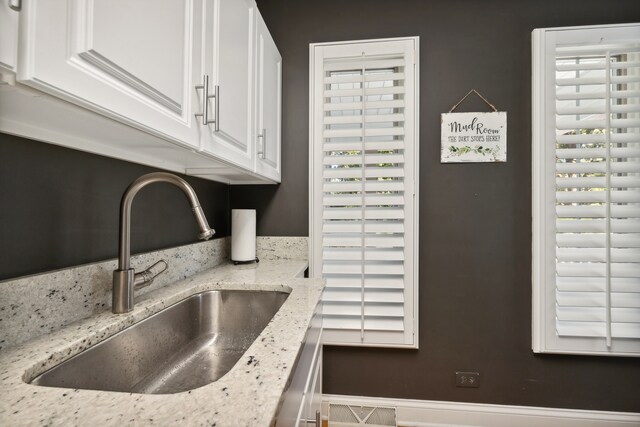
(248, 395)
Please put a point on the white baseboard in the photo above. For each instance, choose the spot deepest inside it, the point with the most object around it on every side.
(430, 413)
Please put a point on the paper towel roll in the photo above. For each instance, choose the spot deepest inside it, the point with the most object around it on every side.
(243, 235)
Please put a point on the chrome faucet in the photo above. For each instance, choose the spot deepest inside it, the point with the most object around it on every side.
(125, 279)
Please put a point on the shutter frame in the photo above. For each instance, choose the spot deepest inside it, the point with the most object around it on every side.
(549, 303)
(377, 220)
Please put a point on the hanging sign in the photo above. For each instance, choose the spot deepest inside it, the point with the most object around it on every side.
(473, 137)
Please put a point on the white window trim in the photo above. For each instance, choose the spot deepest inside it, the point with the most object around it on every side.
(314, 173)
(544, 338)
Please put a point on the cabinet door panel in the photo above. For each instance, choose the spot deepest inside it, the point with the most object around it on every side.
(8, 37)
(157, 34)
(234, 67)
(269, 89)
(232, 71)
(314, 395)
(132, 61)
(297, 398)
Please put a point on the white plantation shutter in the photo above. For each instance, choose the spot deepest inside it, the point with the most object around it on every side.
(587, 191)
(363, 190)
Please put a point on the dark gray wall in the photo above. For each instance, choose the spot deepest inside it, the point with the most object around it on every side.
(59, 207)
(475, 220)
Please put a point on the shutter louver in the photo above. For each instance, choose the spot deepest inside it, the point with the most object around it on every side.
(597, 199)
(365, 162)
(363, 255)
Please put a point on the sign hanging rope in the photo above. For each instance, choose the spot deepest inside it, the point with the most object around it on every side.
(477, 93)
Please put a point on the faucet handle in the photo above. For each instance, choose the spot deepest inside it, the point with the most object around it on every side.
(145, 278)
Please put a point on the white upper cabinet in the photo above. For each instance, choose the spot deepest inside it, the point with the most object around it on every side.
(229, 60)
(134, 61)
(203, 77)
(268, 103)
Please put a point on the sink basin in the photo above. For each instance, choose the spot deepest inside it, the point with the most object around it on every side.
(185, 346)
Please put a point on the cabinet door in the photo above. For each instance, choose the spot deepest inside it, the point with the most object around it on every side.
(230, 63)
(268, 105)
(314, 395)
(134, 61)
(8, 37)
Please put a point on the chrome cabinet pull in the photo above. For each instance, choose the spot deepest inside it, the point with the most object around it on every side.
(205, 103)
(216, 120)
(317, 421)
(15, 5)
(262, 153)
(205, 99)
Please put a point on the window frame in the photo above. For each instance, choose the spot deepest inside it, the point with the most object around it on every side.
(544, 337)
(315, 197)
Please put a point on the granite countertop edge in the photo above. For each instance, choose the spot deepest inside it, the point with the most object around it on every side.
(248, 395)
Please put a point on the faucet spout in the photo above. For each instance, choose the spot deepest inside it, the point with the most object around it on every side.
(124, 277)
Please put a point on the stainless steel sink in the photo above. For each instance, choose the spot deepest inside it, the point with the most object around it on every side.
(187, 345)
